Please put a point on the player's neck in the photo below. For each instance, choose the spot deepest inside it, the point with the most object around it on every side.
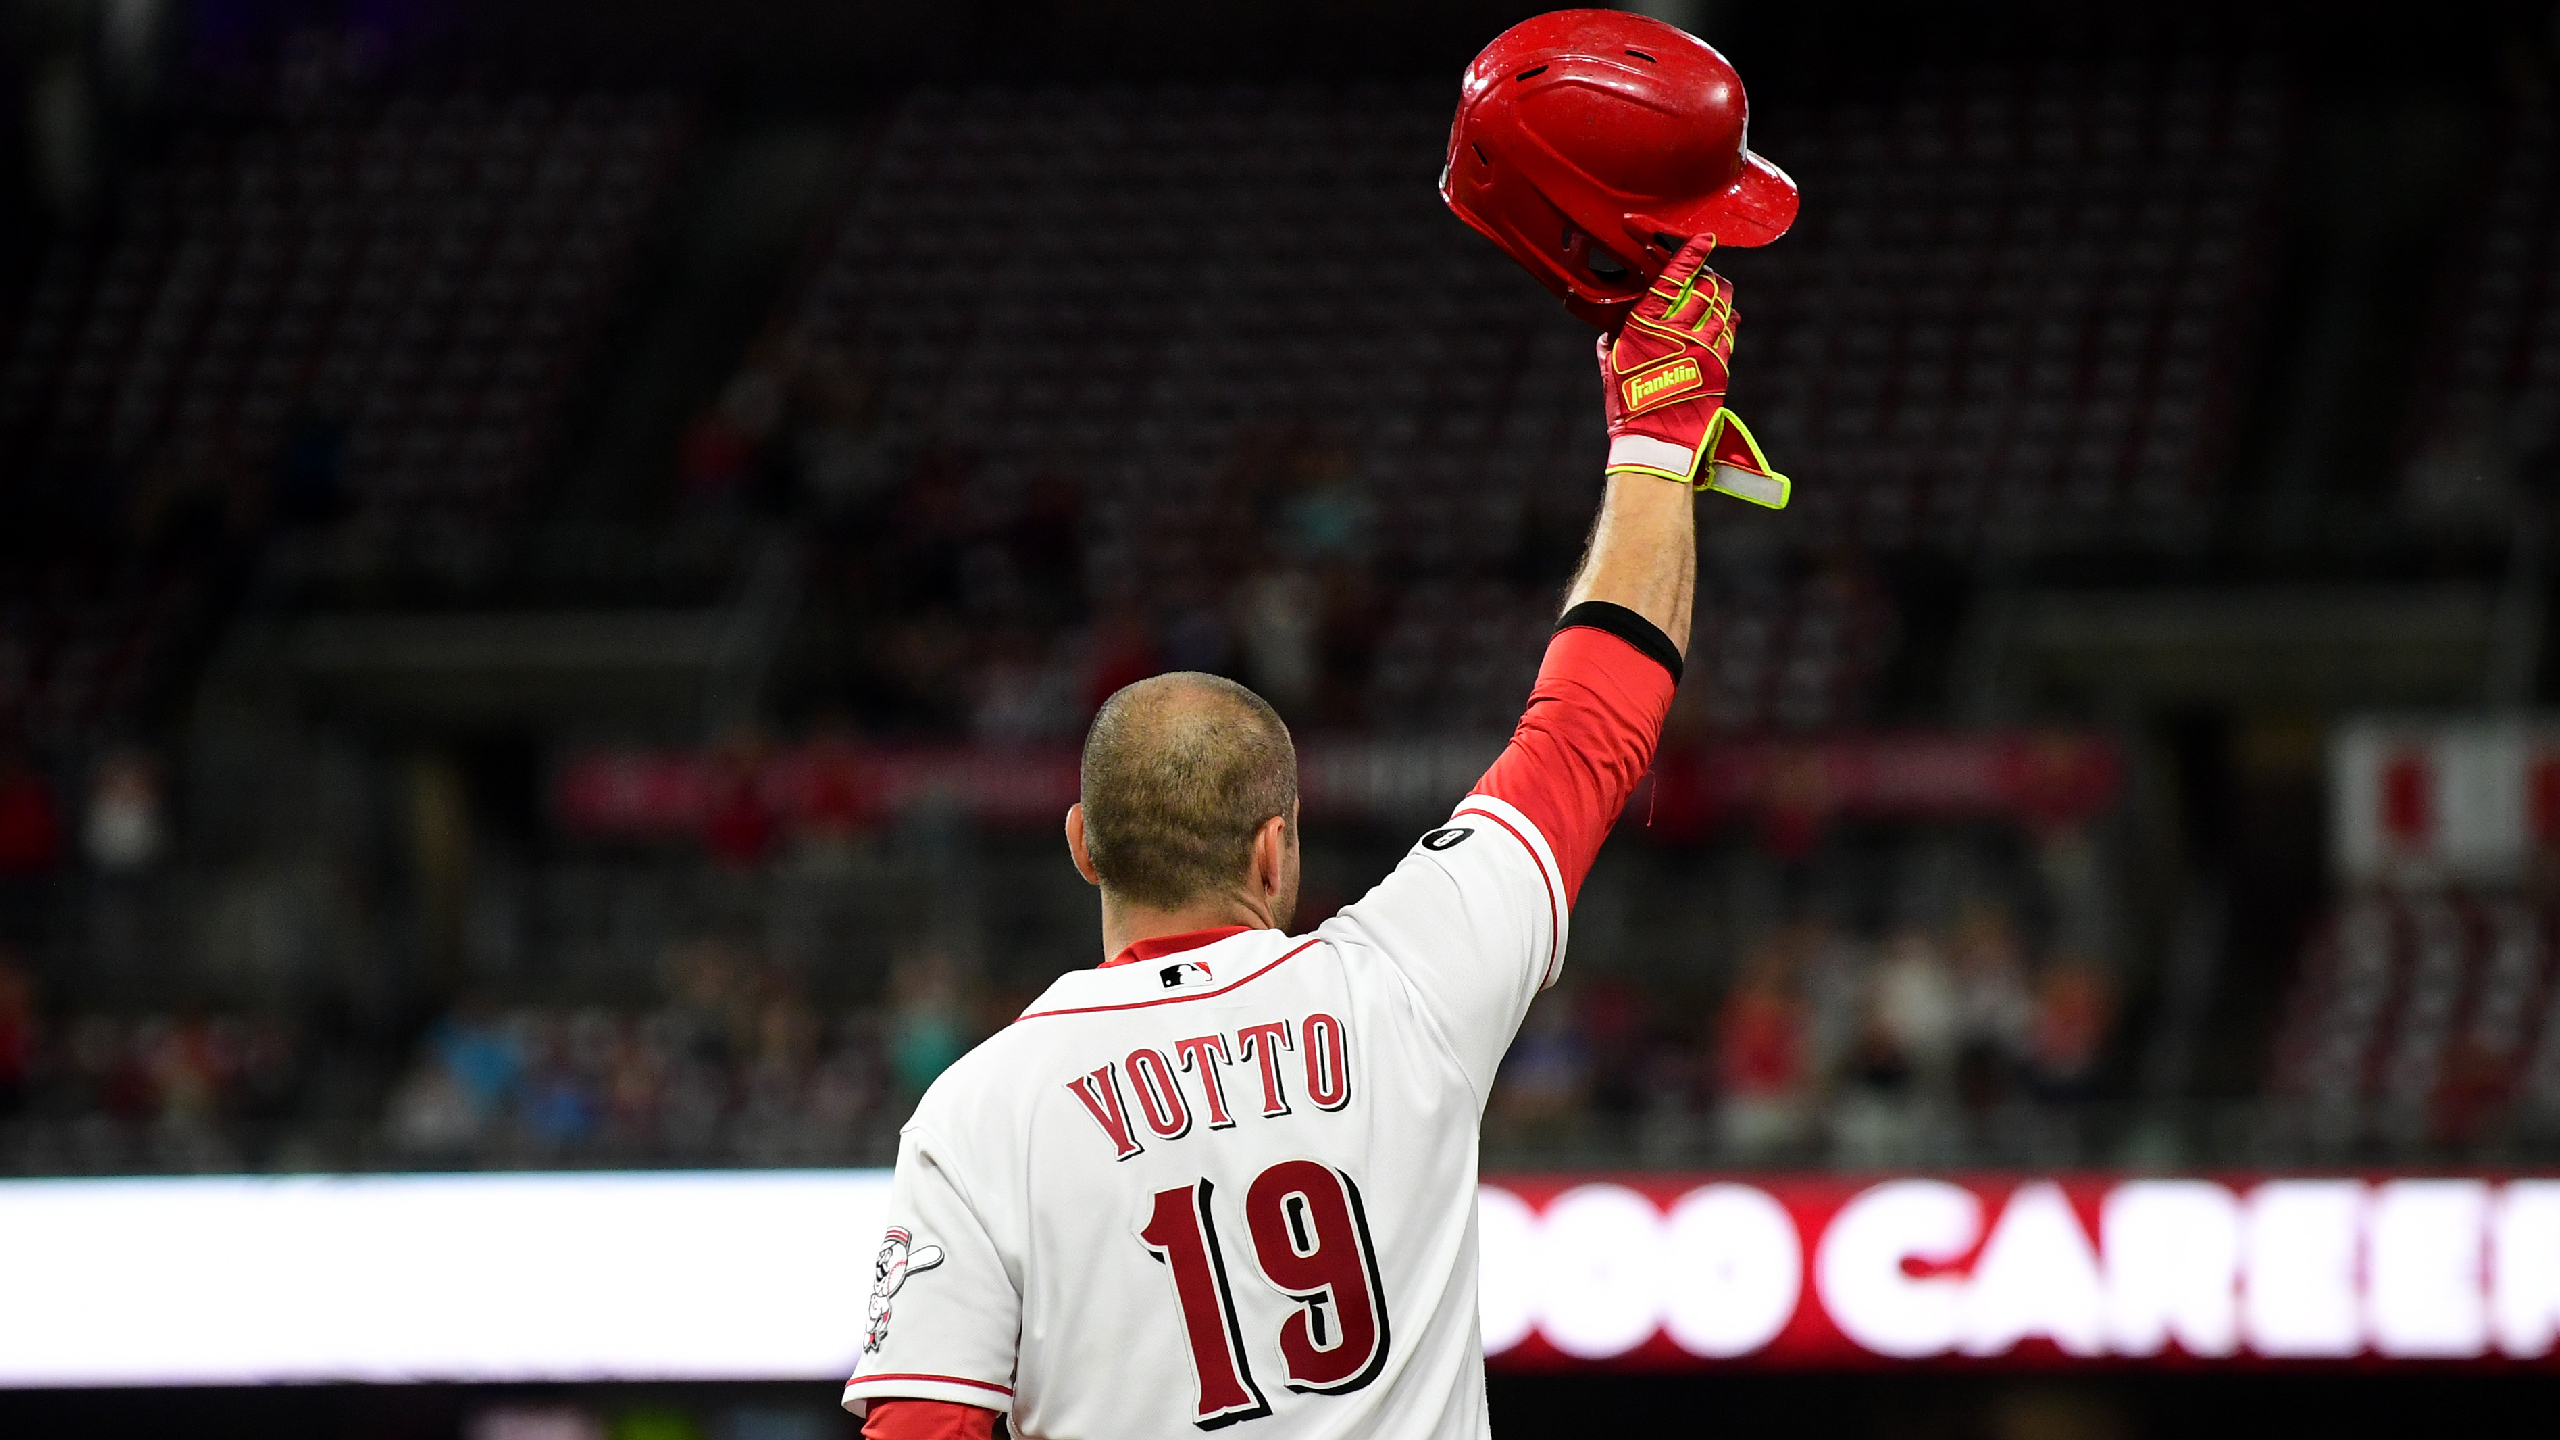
(1125, 923)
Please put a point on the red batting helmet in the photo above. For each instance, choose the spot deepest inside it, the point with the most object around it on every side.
(1591, 144)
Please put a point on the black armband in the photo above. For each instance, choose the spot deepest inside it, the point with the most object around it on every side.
(1627, 625)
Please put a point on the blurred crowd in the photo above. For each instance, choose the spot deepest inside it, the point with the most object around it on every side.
(1918, 1046)
(1894, 1050)
(733, 1066)
(118, 829)
(172, 1090)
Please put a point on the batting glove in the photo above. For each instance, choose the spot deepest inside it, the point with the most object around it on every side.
(1664, 374)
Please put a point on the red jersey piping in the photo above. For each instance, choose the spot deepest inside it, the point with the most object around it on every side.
(1311, 941)
(1543, 877)
(1159, 946)
(936, 1379)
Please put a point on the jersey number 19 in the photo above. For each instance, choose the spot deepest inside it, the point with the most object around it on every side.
(1311, 1241)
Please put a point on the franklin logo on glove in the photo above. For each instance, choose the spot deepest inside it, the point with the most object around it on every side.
(1661, 383)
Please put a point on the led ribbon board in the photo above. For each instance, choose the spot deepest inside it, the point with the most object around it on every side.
(732, 1276)
(762, 1275)
(1816, 1272)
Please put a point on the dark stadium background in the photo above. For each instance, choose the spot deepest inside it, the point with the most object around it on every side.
(504, 697)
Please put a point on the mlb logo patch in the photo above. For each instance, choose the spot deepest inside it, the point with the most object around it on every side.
(1181, 973)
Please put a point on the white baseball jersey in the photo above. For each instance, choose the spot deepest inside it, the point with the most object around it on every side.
(1232, 1184)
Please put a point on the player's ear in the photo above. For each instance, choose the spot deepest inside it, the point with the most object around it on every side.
(1271, 854)
(1076, 847)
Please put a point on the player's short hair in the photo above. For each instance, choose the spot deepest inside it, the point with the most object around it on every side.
(1180, 771)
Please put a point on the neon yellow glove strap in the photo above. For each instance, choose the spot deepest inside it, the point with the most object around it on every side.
(1748, 479)
(1755, 482)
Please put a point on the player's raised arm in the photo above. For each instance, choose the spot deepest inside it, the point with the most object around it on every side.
(1589, 732)
(1478, 915)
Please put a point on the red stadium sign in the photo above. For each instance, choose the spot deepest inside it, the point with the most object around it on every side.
(1660, 1272)
(1790, 789)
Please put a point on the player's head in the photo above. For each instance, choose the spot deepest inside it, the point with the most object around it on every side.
(1190, 791)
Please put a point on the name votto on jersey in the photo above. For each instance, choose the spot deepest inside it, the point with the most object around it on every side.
(1273, 1067)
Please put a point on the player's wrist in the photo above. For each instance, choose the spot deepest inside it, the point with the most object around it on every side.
(1653, 455)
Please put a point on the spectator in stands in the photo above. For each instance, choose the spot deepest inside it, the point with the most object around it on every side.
(1877, 1065)
(30, 849)
(1832, 978)
(1615, 1021)
(635, 1079)
(1916, 1008)
(1995, 1013)
(1280, 624)
(845, 461)
(846, 1090)
(266, 1070)
(926, 1019)
(1323, 514)
(1545, 1079)
(431, 1116)
(711, 981)
(2073, 1010)
(693, 1103)
(1760, 1056)
(1898, 1070)
(122, 832)
(30, 826)
(108, 1079)
(1025, 692)
(559, 1104)
(733, 1068)
(774, 1092)
(485, 1059)
(722, 452)
(189, 1066)
(1878, 1106)
(1672, 1080)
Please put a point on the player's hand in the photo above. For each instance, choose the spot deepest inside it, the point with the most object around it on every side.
(1664, 378)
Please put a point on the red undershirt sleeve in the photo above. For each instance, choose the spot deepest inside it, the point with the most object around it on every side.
(1589, 732)
(927, 1420)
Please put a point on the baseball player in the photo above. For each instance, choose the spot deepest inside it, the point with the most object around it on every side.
(1228, 1177)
